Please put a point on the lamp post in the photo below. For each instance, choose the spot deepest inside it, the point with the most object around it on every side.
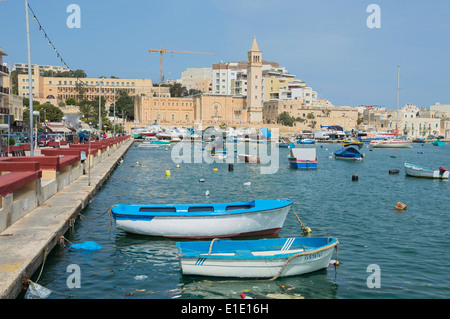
(37, 114)
(30, 81)
(100, 107)
(114, 112)
(64, 126)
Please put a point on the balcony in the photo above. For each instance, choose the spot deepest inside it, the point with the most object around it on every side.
(4, 90)
(4, 70)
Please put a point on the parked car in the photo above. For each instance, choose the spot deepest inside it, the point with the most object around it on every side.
(44, 139)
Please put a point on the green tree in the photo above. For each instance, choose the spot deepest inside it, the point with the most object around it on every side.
(50, 112)
(193, 92)
(87, 109)
(81, 89)
(71, 101)
(124, 103)
(176, 90)
(285, 119)
(79, 74)
(26, 102)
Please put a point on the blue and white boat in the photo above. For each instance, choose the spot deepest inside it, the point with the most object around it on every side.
(303, 158)
(260, 217)
(426, 172)
(262, 258)
(438, 143)
(152, 142)
(285, 144)
(348, 153)
(307, 141)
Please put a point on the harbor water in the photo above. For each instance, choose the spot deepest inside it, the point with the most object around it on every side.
(383, 252)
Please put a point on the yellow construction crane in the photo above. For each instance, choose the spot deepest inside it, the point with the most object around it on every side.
(161, 52)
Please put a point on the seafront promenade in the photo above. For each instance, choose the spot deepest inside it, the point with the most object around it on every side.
(42, 196)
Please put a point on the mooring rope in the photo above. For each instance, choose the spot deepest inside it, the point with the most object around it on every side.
(305, 230)
(302, 254)
(107, 211)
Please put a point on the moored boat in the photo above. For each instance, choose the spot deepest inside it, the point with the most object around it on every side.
(426, 172)
(303, 158)
(248, 158)
(262, 258)
(151, 141)
(260, 217)
(307, 141)
(391, 143)
(348, 153)
(438, 143)
(352, 141)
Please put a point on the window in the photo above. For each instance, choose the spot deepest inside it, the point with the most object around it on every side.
(187, 117)
(173, 117)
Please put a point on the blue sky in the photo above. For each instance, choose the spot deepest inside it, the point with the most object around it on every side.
(326, 43)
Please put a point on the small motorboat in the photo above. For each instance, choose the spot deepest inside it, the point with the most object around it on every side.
(307, 141)
(350, 141)
(261, 258)
(438, 143)
(248, 158)
(285, 144)
(151, 141)
(420, 171)
(348, 153)
(303, 158)
(260, 217)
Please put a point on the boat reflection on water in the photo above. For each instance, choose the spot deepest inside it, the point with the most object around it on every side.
(315, 285)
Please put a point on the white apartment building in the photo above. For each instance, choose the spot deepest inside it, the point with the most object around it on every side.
(277, 84)
(23, 67)
(443, 110)
(197, 78)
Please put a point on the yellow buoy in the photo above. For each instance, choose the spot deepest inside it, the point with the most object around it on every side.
(400, 206)
(168, 173)
(178, 165)
(215, 169)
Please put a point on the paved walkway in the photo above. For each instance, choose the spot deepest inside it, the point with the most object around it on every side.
(22, 245)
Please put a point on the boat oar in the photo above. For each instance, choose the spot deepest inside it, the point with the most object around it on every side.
(305, 230)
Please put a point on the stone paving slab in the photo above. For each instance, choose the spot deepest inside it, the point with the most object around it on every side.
(23, 244)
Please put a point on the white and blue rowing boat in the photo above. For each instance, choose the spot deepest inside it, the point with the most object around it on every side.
(260, 217)
(303, 158)
(262, 258)
(426, 172)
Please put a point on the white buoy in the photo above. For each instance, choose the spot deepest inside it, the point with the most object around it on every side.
(247, 183)
(207, 193)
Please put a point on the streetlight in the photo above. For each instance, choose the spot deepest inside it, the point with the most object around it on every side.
(100, 107)
(64, 126)
(37, 114)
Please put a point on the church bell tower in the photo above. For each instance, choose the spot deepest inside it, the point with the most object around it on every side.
(254, 84)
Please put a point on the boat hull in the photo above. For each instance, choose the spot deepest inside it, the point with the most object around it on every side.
(266, 264)
(348, 154)
(201, 225)
(248, 158)
(390, 144)
(425, 172)
(302, 164)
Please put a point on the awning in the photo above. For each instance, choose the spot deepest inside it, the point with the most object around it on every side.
(59, 129)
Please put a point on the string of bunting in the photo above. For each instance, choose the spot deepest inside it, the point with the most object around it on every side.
(58, 55)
